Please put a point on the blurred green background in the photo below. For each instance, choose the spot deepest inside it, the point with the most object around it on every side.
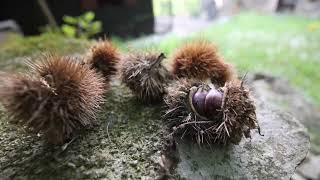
(283, 45)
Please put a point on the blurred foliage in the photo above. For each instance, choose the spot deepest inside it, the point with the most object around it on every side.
(162, 7)
(82, 26)
(179, 7)
(314, 26)
(281, 45)
(278, 44)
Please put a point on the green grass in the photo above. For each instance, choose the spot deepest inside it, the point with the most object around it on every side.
(179, 7)
(281, 45)
(18, 46)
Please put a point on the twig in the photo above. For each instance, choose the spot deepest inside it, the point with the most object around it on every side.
(108, 131)
(46, 11)
(226, 128)
(196, 122)
(66, 145)
(158, 60)
(243, 79)
(225, 93)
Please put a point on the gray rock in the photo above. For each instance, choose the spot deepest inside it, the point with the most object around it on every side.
(310, 167)
(297, 177)
(275, 155)
(279, 94)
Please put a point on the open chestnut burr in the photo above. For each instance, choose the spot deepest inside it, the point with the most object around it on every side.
(208, 114)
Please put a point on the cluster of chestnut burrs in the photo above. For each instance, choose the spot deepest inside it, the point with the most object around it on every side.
(62, 95)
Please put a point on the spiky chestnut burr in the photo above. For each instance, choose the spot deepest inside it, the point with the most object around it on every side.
(210, 115)
(61, 97)
(144, 74)
(200, 60)
(104, 57)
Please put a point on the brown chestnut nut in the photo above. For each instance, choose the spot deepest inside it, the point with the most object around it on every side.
(206, 103)
(213, 102)
(198, 101)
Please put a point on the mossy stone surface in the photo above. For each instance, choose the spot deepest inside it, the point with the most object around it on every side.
(126, 144)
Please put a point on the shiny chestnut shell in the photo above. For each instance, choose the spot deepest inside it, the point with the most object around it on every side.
(206, 103)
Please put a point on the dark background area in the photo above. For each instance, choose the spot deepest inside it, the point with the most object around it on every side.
(124, 18)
